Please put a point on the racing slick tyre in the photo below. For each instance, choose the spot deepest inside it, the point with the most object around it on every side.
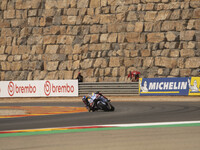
(110, 107)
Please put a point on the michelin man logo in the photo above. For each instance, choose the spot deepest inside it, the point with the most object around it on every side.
(193, 88)
(143, 88)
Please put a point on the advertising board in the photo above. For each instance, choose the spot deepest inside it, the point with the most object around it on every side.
(39, 88)
(169, 86)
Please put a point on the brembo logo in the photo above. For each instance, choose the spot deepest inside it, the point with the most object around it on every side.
(51, 88)
(14, 88)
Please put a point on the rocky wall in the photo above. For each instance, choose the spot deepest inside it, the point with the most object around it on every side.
(102, 39)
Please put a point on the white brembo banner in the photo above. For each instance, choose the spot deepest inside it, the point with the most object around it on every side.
(39, 88)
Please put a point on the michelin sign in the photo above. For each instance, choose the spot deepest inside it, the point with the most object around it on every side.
(169, 86)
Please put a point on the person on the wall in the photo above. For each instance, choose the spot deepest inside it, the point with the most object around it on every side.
(80, 77)
(137, 76)
(134, 76)
(130, 75)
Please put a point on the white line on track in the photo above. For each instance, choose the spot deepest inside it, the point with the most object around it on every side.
(152, 124)
(116, 125)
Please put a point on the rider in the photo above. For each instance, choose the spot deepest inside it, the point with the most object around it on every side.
(89, 101)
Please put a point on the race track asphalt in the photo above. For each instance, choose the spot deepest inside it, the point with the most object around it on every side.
(166, 138)
(125, 112)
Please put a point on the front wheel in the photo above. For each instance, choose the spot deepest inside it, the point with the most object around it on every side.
(111, 107)
(106, 106)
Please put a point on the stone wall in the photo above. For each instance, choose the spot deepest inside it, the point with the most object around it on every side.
(103, 39)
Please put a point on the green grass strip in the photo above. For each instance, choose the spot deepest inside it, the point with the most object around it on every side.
(94, 129)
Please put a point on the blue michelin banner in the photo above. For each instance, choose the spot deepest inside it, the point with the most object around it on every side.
(169, 86)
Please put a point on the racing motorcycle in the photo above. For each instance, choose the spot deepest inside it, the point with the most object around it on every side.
(102, 103)
(99, 102)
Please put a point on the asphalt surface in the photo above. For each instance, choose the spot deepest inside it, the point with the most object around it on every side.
(125, 112)
(166, 138)
(177, 138)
